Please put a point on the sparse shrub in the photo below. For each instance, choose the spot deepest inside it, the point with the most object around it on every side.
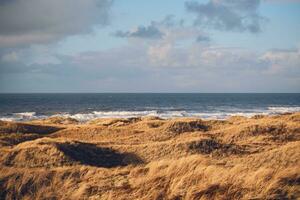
(178, 127)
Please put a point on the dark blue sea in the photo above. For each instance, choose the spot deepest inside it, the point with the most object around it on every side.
(89, 106)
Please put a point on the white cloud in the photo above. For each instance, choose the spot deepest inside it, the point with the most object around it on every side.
(172, 68)
(25, 22)
(172, 62)
(282, 61)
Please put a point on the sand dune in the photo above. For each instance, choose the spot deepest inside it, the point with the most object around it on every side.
(151, 158)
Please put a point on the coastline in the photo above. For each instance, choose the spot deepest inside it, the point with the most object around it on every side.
(85, 107)
(85, 117)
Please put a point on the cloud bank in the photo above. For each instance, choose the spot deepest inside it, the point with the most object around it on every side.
(164, 56)
(27, 22)
(158, 66)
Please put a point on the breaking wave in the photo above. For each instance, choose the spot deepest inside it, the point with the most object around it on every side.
(163, 113)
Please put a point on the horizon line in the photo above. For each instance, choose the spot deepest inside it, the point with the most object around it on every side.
(149, 93)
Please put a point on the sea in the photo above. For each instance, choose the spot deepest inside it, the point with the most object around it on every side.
(84, 107)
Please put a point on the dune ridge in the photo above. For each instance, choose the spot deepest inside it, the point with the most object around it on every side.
(151, 158)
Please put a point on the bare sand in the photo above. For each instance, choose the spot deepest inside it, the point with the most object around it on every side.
(151, 158)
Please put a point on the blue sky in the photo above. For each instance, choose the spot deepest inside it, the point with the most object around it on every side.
(284, 25)
(150, 46)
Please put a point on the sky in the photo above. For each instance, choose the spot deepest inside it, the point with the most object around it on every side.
(149, 46)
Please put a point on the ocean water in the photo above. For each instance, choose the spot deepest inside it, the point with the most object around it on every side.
(83, 107)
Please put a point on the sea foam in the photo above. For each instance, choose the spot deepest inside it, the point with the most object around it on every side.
(223, 114)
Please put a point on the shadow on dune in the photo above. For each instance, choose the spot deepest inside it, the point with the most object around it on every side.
(90, 154)
(14, 127)
(47, 152)
(15, 138)
(208, 146)
(178, 127)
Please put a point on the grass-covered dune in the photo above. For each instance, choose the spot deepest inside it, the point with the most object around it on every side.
(151, 158)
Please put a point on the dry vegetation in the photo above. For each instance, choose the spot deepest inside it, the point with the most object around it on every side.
(151, 158)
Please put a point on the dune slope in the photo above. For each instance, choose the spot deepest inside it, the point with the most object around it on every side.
(151, 158)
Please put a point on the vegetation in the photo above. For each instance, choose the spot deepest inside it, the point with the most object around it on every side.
(151, 158)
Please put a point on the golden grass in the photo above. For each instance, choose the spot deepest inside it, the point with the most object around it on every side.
(151, 158)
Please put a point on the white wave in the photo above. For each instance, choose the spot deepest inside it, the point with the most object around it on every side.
(10, 119)
(25, 114)
(20, 116)
(222, 114)
(109, 114)
(283, 109)
(166, 114)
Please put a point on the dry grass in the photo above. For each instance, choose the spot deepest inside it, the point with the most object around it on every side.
(151, 158)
